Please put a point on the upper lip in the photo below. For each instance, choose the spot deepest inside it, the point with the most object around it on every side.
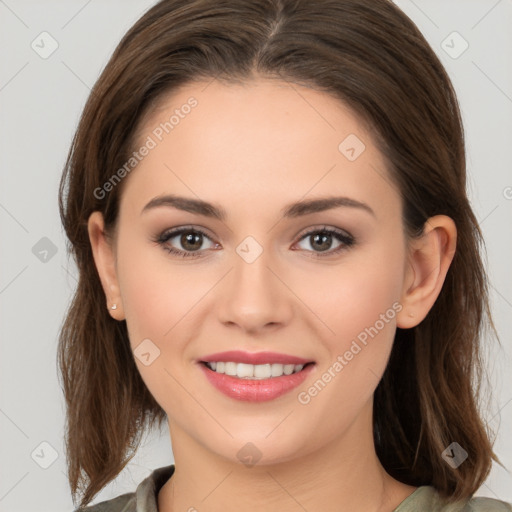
(239, 356)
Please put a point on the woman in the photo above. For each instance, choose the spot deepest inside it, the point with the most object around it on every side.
(266, 202)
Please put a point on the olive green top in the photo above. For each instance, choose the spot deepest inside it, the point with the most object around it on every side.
(423, 499)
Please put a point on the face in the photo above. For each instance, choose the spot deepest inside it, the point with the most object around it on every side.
(323, 285)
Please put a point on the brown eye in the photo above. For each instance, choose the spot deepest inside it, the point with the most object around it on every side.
(321, 241)
(190, 240)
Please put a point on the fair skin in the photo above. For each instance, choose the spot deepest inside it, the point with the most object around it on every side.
(252, 149)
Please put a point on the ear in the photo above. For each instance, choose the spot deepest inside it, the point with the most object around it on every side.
(427, 264)
(105, 260)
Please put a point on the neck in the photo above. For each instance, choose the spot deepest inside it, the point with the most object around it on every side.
(345, 474)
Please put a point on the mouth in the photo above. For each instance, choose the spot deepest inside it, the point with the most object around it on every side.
(254, 371)
(255, 377)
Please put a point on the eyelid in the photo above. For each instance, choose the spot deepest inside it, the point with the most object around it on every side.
(344, 237)
(323, 227)
(204, 231)
(167, 234)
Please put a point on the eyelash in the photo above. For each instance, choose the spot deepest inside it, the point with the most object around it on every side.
(346, 240)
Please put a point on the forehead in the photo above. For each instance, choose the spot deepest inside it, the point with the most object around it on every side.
(267, 139)
(262, 106)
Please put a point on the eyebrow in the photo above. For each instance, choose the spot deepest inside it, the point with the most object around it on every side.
(293, 210)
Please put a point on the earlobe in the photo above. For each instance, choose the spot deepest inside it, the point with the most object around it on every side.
(429, 259)
(104, 259)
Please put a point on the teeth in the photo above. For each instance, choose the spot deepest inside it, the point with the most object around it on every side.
(254, 371)
(230, 368)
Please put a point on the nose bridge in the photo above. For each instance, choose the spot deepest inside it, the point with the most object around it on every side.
(253, 296)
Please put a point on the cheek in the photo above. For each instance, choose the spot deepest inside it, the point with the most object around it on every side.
(360, 307)
(158, 298)
(361, 310)
(354, 296)
(156, 292)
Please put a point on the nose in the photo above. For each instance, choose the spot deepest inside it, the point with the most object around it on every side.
(254, 297)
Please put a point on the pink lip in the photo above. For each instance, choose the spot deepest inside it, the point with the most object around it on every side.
(255, 390)
(238, 356)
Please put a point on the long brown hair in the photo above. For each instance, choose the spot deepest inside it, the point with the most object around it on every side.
(369, 55)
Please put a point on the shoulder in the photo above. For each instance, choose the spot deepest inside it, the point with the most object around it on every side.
(124, 503)
(487, 505)
(144, 499)
(427, 498)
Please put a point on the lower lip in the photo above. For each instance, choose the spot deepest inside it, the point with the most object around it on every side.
(249, 390)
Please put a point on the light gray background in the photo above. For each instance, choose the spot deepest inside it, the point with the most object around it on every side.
(40, 103)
